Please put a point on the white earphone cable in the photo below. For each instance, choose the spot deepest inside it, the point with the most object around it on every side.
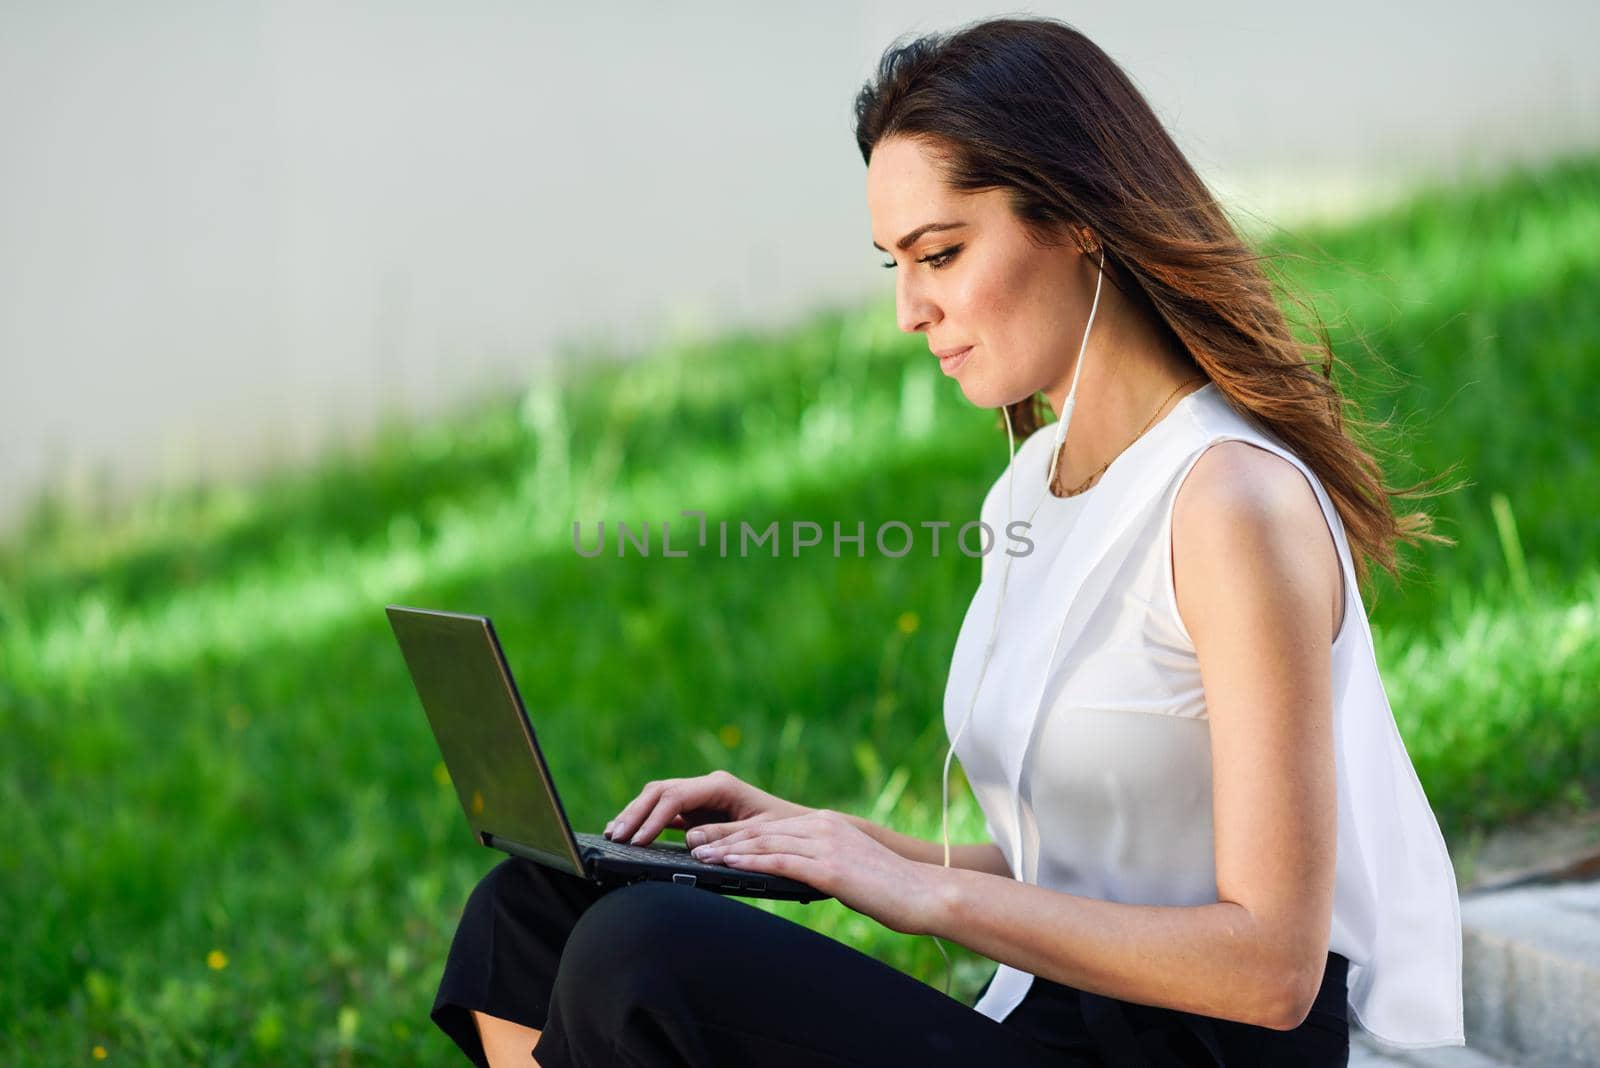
(1005, 575)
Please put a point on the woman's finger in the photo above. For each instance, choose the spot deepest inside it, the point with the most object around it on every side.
(634, 811)
(705, 833)
(716, 832)
(745, 829)
(788, 865)
(722, 833)
(763, 843)
(677, 803)
(669, 803)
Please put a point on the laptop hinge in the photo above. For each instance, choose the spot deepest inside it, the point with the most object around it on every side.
(543, 856)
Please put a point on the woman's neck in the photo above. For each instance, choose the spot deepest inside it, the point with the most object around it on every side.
(1130, 372)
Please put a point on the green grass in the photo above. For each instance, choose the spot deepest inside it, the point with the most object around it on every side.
(215, 756)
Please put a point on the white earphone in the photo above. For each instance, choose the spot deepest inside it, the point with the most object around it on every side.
(988, 648)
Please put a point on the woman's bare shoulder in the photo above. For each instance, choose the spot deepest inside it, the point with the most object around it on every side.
(1243, 506)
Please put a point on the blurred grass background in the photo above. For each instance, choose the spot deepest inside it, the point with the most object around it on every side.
(229, 839)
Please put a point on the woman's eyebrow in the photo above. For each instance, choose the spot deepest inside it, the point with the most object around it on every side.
(911, 238)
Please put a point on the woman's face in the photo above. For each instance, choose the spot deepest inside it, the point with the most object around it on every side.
(983, 284)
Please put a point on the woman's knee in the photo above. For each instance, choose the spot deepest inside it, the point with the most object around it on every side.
(638, 941)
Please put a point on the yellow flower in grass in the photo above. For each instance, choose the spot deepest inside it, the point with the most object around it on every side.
(216, 960)
(908, 622)
(98, 1053)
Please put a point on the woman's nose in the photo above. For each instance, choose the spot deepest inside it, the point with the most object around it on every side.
(913, 308)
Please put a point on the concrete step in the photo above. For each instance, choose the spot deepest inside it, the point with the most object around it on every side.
(1531, 973)
(1530, 981)
(1366, 1052)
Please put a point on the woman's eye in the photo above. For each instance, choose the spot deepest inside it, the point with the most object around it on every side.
(935, 260)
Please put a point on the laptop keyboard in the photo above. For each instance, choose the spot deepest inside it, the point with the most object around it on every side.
(626, 851)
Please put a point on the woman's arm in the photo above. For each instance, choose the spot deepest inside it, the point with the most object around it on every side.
(985, 858)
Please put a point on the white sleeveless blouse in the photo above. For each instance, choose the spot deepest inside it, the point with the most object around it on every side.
(1103, 789)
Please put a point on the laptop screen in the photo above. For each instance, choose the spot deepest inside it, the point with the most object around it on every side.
(482, 730)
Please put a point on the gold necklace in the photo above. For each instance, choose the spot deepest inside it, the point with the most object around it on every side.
(1084, 485)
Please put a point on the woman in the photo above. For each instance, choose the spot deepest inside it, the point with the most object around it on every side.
(1207, 837)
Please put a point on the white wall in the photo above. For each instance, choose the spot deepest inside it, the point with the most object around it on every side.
(232, 232)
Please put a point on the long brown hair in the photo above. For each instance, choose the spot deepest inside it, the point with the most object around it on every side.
(1033, 107)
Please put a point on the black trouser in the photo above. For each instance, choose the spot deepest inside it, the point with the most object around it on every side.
(655, 974)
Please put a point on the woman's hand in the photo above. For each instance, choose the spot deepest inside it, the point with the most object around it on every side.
(824, 850)
(720, 799)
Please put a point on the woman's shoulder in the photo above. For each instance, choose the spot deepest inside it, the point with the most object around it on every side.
(1241, 474)
(1243, 504)
(1236, 465)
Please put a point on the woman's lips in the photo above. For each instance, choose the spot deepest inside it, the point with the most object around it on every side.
(952, 363)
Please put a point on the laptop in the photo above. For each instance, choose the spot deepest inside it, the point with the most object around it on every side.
(503, 781)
